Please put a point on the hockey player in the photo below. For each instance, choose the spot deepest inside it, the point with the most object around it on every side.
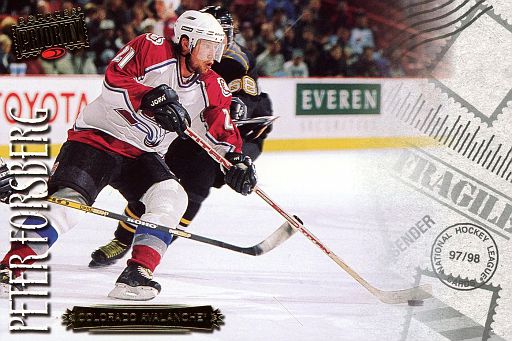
(197, 171)
(152, 92)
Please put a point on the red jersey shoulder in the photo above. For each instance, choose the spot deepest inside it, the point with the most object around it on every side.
(153, 46)
(217, 89)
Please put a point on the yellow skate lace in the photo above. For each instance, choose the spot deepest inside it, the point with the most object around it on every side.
(114, 248)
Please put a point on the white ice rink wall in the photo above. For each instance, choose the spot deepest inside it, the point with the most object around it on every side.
(314, 113)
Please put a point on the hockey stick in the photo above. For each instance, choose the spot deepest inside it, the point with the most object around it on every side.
(392, 297)
(264, 120)
(271, 242)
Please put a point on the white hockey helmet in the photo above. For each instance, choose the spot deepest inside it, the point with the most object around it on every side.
(197, 25)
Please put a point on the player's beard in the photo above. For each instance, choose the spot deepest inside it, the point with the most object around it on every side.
(195, 67)
(188, 63)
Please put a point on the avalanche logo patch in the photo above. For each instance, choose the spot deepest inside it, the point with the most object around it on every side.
(224, 87)
(155, 39)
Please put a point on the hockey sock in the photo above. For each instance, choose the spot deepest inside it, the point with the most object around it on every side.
(192, 209)
(41, 239)
(149, 246)
(125, 231)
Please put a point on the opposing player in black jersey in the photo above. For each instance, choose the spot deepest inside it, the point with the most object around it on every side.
(197, 172)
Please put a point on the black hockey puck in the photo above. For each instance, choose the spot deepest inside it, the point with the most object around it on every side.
(415, 303)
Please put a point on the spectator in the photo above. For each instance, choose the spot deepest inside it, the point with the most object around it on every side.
(312, 49)
(306, 21)
(271, 61)
(67, 5)
(285, 5)
(396, 68)
(252, 46)
(34, 66)
(83, 62)
(342, 15)
(246, 34)
(335, 62)
(138, 16)
(43, 7)
(118, 13)
(341, 38)
(6, 26)
(289, 43)
(245, 9)
(365, 66)
(5, 50)
(94, 16)
(127, 35)
(59, 66)
(105, 48)
(185, 5)
(258, 17)
(266, 35)
(321, 26)
(296, 67)
(147, 25)
(166, 17)
(361, 35)
(279, 23)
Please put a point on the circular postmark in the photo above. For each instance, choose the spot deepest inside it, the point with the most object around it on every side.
(464, 256)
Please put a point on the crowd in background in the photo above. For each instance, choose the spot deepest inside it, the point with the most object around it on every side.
(296, 38)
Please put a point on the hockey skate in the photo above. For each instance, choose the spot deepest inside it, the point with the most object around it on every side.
(5, 286)
(108, 254)
(135, 283)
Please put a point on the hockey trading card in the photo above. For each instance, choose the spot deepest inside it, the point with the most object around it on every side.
(256, 170)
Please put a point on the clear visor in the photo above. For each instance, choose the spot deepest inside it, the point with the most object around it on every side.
(208, 50)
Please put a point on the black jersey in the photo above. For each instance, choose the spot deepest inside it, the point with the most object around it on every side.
(236, 62)
(237, 67)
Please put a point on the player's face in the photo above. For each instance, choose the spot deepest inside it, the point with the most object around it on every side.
(204, 54)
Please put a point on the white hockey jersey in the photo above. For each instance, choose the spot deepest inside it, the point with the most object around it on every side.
(114, 122)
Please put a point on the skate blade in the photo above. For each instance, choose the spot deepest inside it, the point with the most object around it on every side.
(125, 292)
(93, 264)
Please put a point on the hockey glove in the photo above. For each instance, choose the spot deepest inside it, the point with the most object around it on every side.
(163, 102)
(238, 109)
(5, 182)
(242, 175)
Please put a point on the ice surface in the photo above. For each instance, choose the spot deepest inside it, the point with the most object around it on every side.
(295, 292)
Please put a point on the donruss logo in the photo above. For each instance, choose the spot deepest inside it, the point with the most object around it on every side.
(50, 35)
(53, 53)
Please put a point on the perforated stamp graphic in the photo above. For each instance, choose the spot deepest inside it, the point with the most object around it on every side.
(479, 73)
(449, 319)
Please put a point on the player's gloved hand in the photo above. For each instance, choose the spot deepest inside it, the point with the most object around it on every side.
(238, 109)
(5, 182)
(163, 102)
(242, 175)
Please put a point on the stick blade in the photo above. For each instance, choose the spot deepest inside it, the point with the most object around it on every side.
(421, 292)
(279, 236)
